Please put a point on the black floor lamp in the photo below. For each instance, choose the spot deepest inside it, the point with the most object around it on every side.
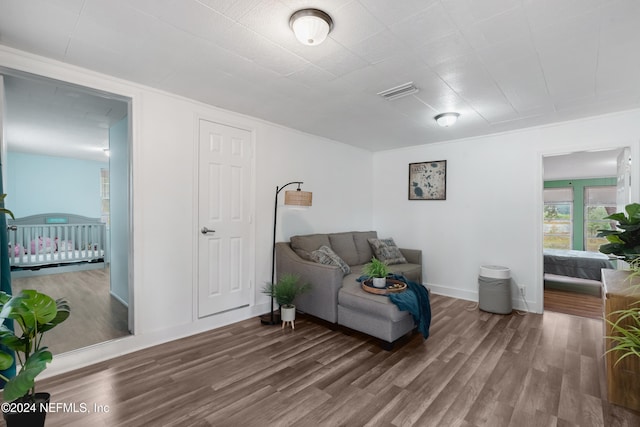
(291, 198)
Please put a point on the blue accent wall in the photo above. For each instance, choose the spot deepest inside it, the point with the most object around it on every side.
(38, 184)
(119, 205)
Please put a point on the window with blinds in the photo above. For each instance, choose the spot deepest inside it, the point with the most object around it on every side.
(558, 218)
(599, 202)
(104, 195)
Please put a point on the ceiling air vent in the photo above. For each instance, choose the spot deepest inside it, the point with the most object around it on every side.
(399, 91)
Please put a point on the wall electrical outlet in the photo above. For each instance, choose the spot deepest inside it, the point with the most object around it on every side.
(523, 289)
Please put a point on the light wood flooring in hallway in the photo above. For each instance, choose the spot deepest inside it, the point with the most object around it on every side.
(476, 369)
(95, 317)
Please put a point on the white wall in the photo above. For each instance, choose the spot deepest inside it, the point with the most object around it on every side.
(491, 215)
(342, 198)
(164, 200)
(493, 211)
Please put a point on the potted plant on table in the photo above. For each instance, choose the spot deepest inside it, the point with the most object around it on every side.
(377, 271)
(285, 292)
(34, 313)
(624, 243)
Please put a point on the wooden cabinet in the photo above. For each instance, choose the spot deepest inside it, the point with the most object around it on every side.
(623, 379)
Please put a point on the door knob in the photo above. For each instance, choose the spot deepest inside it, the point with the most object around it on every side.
(205, 230)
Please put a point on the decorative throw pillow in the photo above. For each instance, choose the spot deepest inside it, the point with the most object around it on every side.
(387, 251)
(303, 254)
(325, 255)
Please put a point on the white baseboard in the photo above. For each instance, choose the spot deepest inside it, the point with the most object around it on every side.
(464, 294)
(120, 300)
(448, 291)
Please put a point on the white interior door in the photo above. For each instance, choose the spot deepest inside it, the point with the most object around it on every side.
(224, 229)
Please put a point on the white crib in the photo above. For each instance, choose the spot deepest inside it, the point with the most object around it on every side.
(56, 240)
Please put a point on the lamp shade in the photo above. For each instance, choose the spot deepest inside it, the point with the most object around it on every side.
(297, 198)
(311, 26)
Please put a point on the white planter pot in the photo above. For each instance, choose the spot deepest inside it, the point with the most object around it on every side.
(379, 282)
(288, 314)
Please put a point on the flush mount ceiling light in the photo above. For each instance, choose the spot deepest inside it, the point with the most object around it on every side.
(311, 26)
(446, 119)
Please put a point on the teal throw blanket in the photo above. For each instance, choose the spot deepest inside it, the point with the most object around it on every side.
(415, 300)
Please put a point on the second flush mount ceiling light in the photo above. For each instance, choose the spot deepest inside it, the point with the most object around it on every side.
(311, 26)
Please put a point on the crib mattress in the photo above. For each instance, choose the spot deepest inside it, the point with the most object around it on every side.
(39, 260)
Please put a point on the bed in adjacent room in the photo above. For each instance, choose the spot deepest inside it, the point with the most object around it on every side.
(576, 271)
(66, 242)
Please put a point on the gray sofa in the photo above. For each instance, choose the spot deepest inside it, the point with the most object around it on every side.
(337, 297)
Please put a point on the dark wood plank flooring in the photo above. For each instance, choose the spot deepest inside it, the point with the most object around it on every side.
(95, 315)
(476, 369)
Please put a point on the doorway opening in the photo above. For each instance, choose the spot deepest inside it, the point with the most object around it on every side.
(580, 190)
(66, 164)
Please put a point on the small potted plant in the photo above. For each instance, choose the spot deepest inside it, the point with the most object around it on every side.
(377, 271)
(285, 292)
(35, 313)
(625, 333)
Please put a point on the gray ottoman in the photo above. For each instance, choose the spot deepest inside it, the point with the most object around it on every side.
(372, 314)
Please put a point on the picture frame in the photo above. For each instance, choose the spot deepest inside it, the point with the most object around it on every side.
(428, 180)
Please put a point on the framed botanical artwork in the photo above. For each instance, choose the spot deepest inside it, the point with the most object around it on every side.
(428, 180)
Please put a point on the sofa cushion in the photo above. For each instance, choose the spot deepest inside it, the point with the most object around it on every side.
(387, 251)
(324, 255)
(304, 245)
(412, 272)
(361, 239)
(344, 245)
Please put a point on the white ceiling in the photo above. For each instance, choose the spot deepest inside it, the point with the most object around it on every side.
(502, 64)
(47, 117)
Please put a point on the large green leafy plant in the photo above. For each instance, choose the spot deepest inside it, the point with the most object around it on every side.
(286, 289)
(2, 209)
(35, 313)
(624, 242)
